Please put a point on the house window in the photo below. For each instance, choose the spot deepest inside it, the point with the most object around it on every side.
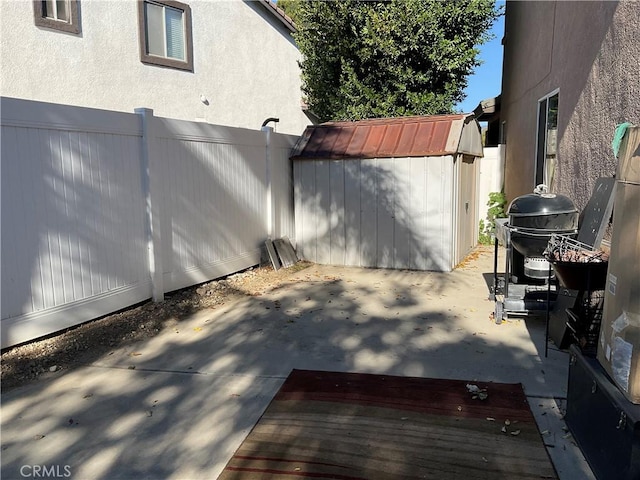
(57, 14)
(546, 152)
(165, 34)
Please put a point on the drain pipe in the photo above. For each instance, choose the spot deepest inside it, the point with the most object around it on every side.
(269, 199)
(270, 119)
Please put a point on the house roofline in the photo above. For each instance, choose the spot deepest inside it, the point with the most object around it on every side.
(279, 14)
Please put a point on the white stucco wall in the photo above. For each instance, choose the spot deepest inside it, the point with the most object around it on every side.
(245, 64)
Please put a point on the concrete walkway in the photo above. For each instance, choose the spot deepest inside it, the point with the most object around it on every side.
(197, 390)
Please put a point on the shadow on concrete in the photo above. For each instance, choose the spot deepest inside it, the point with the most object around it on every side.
(178, 405)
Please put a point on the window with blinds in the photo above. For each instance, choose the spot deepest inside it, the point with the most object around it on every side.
(165, 31)
(56, 9)
(57, 15)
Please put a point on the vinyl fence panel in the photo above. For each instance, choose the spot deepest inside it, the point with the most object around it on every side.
(73, 237)
(213, 192)
(101, 210)
(282, 185)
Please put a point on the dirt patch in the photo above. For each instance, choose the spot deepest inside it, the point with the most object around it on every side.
(84, 344)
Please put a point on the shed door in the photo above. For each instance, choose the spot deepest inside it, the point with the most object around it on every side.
(467, 235)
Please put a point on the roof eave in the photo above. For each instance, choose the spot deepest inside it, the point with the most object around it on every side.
(279, 15)
(488, 108)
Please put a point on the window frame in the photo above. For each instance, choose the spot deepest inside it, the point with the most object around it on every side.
(72, 26)
(542, 173)
(157, 60)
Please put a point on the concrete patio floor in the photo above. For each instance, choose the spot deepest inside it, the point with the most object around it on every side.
(178, 406)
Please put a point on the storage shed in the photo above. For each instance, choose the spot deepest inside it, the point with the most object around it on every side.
(388, 193)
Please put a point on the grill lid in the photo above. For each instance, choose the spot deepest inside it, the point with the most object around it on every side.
(540, 204)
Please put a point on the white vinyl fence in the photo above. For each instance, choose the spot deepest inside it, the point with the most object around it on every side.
(101, 209)
(491, 177)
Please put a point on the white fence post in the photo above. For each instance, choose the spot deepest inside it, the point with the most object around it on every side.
(151, 190)
(125, 206)
(270, 221)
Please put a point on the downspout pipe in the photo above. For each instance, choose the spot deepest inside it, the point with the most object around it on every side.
(270, 119)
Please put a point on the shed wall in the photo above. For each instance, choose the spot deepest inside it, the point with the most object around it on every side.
(465, 188)
(382, 212)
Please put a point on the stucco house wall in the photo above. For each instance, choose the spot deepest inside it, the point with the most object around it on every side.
(245, 64)
(587, 50)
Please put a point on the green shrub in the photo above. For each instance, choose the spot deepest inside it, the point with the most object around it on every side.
(487, 226)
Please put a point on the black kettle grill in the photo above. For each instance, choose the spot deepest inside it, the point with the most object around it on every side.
(533, 218)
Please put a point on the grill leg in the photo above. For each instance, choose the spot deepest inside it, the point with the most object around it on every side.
(494, 291)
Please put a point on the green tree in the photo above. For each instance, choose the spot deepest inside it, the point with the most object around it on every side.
(367, 59)
(291, 8)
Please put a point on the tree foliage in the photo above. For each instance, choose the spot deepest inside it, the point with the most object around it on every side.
(368, 59)
(291, 8)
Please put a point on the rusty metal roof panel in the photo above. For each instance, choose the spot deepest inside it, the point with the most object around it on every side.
(383, 138)
(407, 140)
(390, 140)
(358, 141)
(342, 142)
(425, 141)
(372, 145)
(321, 143)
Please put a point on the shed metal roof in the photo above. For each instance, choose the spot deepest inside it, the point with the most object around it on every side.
(417, 136)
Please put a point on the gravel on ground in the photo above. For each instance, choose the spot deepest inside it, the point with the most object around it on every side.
(83, 344)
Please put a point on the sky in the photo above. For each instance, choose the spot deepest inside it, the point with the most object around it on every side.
(486, 81)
